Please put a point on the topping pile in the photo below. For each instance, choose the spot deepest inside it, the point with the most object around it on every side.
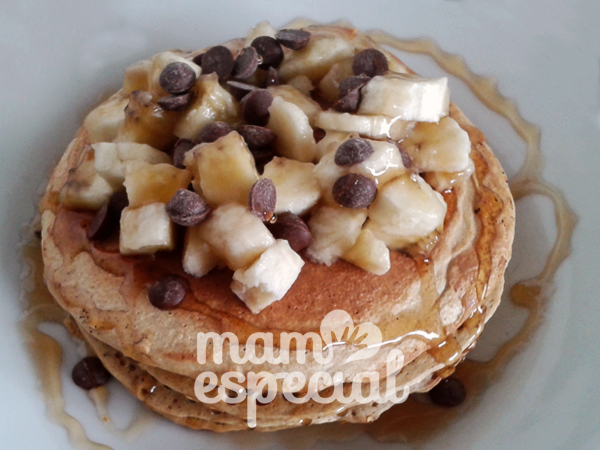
(297, 141)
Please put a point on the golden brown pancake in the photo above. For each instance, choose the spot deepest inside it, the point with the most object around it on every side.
(433, 294)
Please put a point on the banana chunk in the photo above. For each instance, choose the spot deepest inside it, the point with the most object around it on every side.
(375, 126)
(85, 189)
(439, 147)
(295, 138)
(335, 230)
(269, 278)
(104, 122)
(147, 229)
(236, 235)
(406, 97)
(198, 257)
(369, 253)
(114, 160)
(297, 186)
(405, 210)
(151, 183)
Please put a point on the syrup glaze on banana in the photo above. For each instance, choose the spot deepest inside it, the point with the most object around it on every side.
(404, 421)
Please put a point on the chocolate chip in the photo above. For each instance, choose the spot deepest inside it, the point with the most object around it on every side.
(370, 62)
(293, 229)
(186, 208)
(350, 84)
(354, 191)
(349, 103)
(262, 199)
(177, 78)
(449, 392)
(213, 131)
(175, 102)
(272, 77)
(353, 151)
(407, 161)
(262, 156)
(255, 107)
(270, 51)
(198, 59)
(218, 59)
(107, 218)
(90, 373)
(168, 292)
(256, 137)
(182, 146)
(246, 63)
(294, 39)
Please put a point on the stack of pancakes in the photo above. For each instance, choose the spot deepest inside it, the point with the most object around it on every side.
(431, 304)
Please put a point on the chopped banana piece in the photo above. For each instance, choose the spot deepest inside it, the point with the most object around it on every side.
(213, 103)
(406, 97)
(147, 229)
(295, 138)
(302, 83)
(113, 160)
(439, 147)
(226, 170)
(335, 230)
(302, 101)
(316, 58)
(85, 189)
(199, 258)
(369, 253)
(137, 76)
(269, 278)
(236, 235)
(150, 183)
(297, 186)
(375, 126)
(104, 122)
(405, 210)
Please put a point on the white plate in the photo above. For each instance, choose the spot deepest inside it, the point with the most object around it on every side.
(59, 58)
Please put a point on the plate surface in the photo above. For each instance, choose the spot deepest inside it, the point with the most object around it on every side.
(60, 58)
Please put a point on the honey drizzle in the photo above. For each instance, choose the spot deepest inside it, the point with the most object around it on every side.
(415, 420)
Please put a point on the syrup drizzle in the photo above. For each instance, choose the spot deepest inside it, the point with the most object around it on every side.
(412, 421)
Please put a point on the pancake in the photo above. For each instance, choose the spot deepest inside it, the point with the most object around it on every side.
(436, 295)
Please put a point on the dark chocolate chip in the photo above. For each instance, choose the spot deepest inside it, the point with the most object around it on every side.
(449, 392)
(213, 131)
(218, 59)
(370, 62)
(318, 133)
(246, 63)
(349, 103)
(262, 199)
(269, 50)
(255, 107)
(168, 292)
(90, 373)
(354, 191)
(350, 84)
(187, 208)
(239, 90)
(256, 137)
(107, 218)
(198, 59)
(182, 146)
(262, 157)
(294, 39)
(353, 151)
(407, 161)
(177, 78)
(272, 77)
(293, 229)
(175, 102)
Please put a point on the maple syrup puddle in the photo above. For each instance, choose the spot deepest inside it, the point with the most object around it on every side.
(413, 421)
